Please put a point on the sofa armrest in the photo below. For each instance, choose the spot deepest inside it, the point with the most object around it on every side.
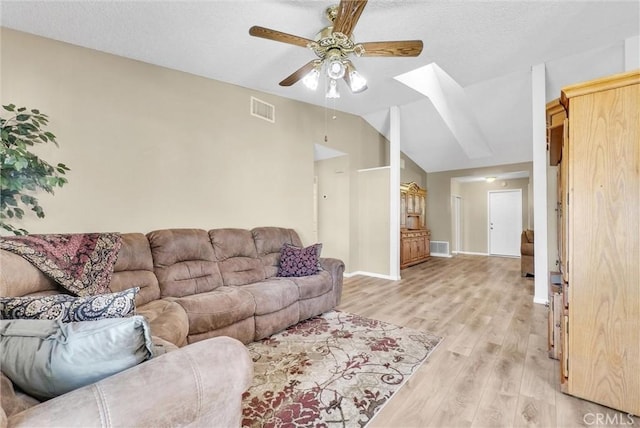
(336, 268)
(198, 385)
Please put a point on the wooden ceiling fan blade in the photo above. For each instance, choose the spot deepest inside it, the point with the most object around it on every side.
(278, 36)
(299, 73)
(349, 12)
(399, 48)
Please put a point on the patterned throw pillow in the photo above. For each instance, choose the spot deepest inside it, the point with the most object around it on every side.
(68, 308)
(296, 261)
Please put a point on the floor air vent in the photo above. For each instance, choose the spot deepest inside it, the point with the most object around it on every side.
(263, 110)
(439, 248)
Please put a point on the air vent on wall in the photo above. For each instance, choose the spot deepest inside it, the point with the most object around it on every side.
(263, 110)
(439, 248)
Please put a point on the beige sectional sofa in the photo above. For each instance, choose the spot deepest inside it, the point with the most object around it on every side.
(195, 286)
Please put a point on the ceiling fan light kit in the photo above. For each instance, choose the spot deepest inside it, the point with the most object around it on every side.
(311, 79)
(332, 89)
(356, 82)
(333, 45)
(335, 67)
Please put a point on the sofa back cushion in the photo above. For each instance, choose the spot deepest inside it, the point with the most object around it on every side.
(237, 256)
(18, 277)
(134, 268)
(269, 242)
(184, 262)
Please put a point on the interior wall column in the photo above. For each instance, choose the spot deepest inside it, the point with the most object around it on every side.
(538, 119)
(394, 192)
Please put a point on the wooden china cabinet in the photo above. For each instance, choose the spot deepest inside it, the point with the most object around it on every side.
(414, 235)
(594, 139)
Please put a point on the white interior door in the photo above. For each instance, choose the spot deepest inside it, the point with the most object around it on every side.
(505, 222)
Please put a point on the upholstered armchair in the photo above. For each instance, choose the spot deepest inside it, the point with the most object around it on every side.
(526, 253)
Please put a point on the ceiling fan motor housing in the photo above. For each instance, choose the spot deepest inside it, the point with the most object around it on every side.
(334, 43)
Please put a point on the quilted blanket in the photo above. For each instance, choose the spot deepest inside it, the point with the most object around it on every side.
(81, 263)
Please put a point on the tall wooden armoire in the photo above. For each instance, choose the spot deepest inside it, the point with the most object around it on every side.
(600, 241)
(415, 238)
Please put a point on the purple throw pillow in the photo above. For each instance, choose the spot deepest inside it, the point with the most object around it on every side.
(296, 261)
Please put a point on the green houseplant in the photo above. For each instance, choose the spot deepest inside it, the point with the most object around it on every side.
(22, 172)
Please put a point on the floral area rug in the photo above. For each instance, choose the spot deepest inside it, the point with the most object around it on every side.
(333, 370)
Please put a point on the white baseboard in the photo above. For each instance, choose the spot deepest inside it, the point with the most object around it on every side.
(441, 255)
(371, 274)
(471, 253)
(540, 301)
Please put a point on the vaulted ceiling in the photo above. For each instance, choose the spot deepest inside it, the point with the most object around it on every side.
(488, 48)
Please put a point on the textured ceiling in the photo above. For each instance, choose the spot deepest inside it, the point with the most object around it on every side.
(487, 47)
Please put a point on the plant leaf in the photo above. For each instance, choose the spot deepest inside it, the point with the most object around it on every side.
(23, 172)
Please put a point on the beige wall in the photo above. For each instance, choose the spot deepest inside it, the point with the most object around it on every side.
(412, 172)
(334, 207)
(150, 147)
(439, 196)
(365, 148)
(475, 210)
(373, 221)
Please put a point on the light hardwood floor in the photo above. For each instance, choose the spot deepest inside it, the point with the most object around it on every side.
(492, 368)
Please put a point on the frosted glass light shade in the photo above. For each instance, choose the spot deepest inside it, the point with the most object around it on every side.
(356, 81)
(332, 89)
(311, 79)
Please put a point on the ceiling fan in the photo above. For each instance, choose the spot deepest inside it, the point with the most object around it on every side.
(333, 45)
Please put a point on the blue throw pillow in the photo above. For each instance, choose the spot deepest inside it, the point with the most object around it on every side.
(48, 358)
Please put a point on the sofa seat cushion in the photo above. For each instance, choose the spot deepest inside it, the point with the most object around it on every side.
(272, 295)
(244, 331)
(269, 324)
(241, 271)
(216, 309)
(167, 320)
(313, 285)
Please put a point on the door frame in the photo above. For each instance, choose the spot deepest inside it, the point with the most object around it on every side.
(456, 211)
(489, 192)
